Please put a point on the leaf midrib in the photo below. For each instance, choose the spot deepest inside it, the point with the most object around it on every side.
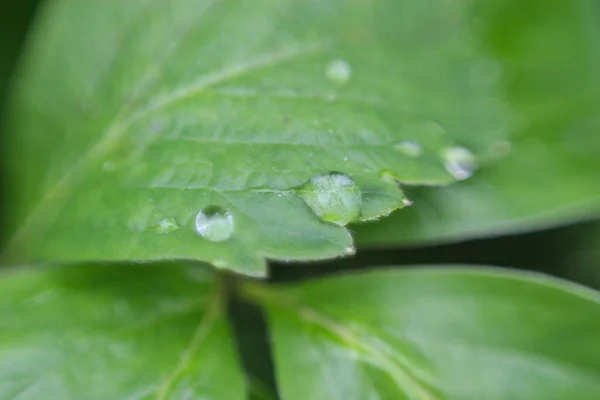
(400, 374)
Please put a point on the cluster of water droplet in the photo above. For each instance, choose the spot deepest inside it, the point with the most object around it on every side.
(335, 197)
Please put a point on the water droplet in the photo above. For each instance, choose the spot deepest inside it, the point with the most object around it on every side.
(334, 197)
(345, 158)
(157, 126)
(349, 251)
(165, 225)
(459, 162)
(214, 223)
(109, 166)
(339, 71)
(407, 202)
(409, 148)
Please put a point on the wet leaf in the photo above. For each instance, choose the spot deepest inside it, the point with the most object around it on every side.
(130, 117)
(434, 333)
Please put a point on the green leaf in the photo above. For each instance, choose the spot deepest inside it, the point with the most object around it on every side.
(130, 117)
(550, 57)
(434, 333)
(115, 332)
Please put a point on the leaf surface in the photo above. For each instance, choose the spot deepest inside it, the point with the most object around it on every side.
(550, 58)
(434, 333)
(115, 332)
(128, 118)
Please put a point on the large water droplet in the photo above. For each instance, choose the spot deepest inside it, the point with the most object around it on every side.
(334, 197)
(214, 223)
(338, 71)
(409, 148)
(459, 162)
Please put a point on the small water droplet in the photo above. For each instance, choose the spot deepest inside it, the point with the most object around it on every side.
(459, 162)
(165, 225)
(156, 126)
(409, 148)
(345, 158)
(339, 71)
(109, 166)
(334, 197)
(349, 251)
(214, 223)
(407, 202)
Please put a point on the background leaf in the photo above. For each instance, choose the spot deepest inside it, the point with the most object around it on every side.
(115, 332)
(128, 118)
(550, 57)
(583, 258)
(434, 334)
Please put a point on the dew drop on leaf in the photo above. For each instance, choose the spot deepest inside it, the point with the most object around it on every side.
(349, 251)
(409, 148)
(459, 162)
(166, 225)
(334, 197)
(214, 223)
(339, 71)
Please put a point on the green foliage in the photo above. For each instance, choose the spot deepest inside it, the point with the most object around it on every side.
(435, 333)
(551, 173)
(157, 331)
(234, 132)
(156, 110)
(115, 332)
